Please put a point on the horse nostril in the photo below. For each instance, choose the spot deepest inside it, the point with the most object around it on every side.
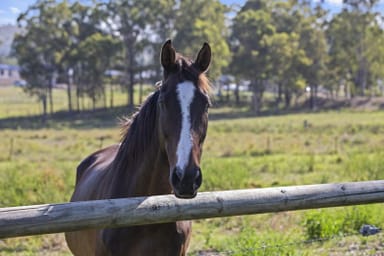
(176, 177)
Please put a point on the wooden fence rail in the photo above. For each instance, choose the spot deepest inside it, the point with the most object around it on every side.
(55, 218)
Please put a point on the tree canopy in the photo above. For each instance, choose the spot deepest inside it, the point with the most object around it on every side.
(286, 47)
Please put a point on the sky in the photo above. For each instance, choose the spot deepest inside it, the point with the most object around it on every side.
(10, 9)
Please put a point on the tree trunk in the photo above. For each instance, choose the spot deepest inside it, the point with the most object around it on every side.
(364, 78)
(130, 88)
(104, 97)
(111, 91)
(52, 83)
(279, 92)
(227, 96)
(69, 93)
(78, 98)
(279, 95)
(257, 89)
(50, 99)
(236, 93)
(141, 88)
(129, 41)
(43, 99)
(287, 98)
(313, 96)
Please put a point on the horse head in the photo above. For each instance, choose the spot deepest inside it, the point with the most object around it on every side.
(183, 116)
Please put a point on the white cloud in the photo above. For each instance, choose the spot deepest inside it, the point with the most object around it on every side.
(14, 10)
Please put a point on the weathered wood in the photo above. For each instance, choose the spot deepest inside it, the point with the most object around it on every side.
(55, 218)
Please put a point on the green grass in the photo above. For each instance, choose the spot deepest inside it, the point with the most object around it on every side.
(37, 165)
(14, 102)
(279, 151)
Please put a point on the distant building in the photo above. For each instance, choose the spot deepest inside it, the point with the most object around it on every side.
(9, 74)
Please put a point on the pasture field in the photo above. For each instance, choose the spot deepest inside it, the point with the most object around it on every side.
(37, 165)
(14, 102)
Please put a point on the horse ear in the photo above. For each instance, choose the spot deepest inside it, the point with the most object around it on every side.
(168, 55)
(203, 57)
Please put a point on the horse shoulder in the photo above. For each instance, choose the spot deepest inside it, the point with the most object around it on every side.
(83, 166)
(103, 155)
(92, 173)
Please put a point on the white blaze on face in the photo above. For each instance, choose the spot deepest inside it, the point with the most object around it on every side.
(185, 94)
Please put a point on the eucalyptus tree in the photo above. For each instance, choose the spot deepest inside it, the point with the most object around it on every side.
(205, 21)
(39, 48)
(353, 35)
(160, 29)
(375, 55)
(91, 51)
(251, 28)
(279, 43)
(64, 38)
(314, 44)
(33, 67)
(131, 21)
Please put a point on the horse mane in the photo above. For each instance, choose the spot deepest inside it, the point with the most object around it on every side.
(204, 84)
(138, 131)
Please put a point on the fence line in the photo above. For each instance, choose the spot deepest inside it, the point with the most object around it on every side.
(56, 218)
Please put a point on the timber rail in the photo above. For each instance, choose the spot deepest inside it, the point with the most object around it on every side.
(112, 213)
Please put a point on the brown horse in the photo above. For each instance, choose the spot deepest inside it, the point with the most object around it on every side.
(159, 154)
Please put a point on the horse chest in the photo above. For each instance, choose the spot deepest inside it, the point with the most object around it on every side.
(158, 240)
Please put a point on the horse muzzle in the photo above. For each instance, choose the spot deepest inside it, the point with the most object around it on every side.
(186, 183)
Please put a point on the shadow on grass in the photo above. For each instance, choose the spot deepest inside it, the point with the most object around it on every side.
(109, 117)
(99, 118)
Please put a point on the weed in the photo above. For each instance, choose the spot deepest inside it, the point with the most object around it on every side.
(327, 223)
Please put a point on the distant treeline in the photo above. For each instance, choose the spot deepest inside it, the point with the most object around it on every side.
(289, 47)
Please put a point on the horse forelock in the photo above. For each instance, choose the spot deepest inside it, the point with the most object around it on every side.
(188, 71)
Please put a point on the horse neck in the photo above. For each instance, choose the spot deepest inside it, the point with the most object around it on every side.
(141, 164)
